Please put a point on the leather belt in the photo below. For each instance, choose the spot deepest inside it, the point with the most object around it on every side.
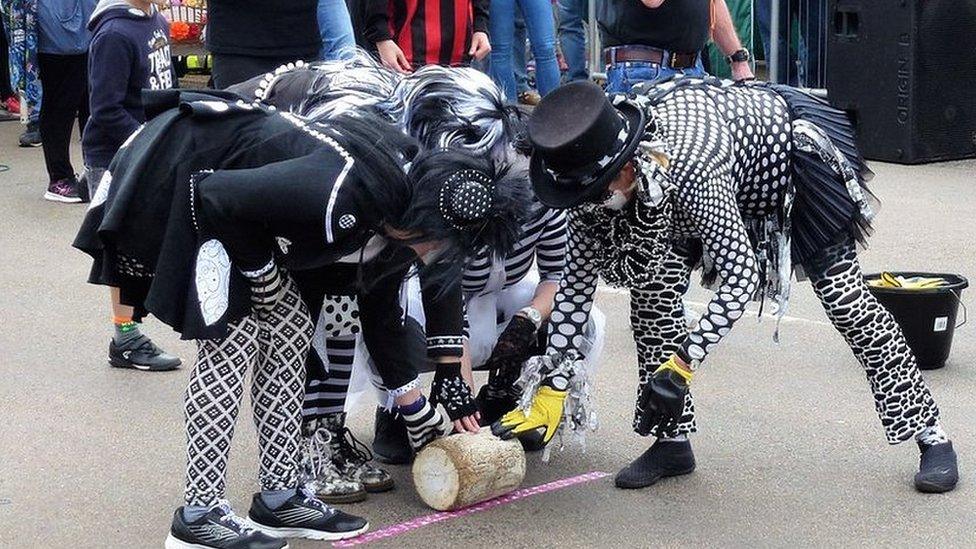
(647, 54)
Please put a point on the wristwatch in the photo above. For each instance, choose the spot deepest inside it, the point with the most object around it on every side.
(532, 314)
(739, 56)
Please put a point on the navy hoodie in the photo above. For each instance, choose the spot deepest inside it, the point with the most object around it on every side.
(129, 52)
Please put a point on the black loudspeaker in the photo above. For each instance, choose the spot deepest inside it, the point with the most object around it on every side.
(905, 70)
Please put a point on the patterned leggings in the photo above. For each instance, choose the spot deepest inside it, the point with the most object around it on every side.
(20, 24)
(901, 398)
(276, 347)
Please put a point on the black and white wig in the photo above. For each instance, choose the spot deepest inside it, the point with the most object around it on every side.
(464, 201)
(355, 83)
(468, 202)
(323, 89)
(460, 108)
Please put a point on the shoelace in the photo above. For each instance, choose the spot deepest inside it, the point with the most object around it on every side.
(312, 501)
(352, 449)
(230, 517)
(319, 453)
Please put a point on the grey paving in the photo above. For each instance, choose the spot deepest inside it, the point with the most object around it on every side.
(790, 452)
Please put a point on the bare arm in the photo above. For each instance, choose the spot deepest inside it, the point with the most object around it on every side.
(723, 34)
(545, 293)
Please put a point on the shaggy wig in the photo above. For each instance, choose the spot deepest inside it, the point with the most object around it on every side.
(457, 107)
(431, 217)
(388, 164)
(356, 83)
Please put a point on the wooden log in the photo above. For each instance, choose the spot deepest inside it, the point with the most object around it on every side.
(464, 469)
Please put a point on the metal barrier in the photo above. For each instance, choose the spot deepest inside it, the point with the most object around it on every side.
(798, 53)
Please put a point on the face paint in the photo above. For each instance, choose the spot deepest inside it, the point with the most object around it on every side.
(616, 201)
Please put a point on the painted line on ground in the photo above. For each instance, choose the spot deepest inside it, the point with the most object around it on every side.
(434, 518)
(701, 306)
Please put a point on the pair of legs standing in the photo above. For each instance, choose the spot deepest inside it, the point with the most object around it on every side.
(540, 26)
(64, 79)
(275, 347)
(902, 400)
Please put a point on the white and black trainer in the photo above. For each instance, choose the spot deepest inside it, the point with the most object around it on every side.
(304, 516)
(220, 528)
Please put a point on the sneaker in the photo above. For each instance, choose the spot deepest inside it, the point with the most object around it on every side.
(220, 528)
(141, 353)
(31, 136)
(304, 516)
(938, 471)
(12, 105)
(324, 478)
(352, 458)
(390, 442)
(664, 458)
(63, 190)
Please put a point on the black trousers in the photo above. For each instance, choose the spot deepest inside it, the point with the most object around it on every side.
(64, 84)
(234, 69)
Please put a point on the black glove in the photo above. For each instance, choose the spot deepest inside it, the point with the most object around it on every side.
(662, 400)
(495, 400)
(515, 344)
(451, 391)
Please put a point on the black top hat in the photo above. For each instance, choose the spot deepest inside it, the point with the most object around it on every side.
(581, 141)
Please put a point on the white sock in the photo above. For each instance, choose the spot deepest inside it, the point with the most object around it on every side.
(679, 438)
(930, 436)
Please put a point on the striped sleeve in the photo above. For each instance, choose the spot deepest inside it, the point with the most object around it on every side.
(551, 249)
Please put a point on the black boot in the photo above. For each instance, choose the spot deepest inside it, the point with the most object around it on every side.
(662, 459)
(390, 442)
(937, 470)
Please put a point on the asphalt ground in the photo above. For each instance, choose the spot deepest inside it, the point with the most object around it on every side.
(790, 452)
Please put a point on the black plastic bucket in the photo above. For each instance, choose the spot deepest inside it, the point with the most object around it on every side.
(926, 316)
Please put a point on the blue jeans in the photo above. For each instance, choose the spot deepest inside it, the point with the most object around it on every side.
(572, 36)
(335, 28)
(542, 36)
(519, 55)
(621, 76)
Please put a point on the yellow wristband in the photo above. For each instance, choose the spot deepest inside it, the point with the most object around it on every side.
(673, 365)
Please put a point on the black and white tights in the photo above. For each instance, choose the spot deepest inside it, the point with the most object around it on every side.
(275, 346)
(902, 400)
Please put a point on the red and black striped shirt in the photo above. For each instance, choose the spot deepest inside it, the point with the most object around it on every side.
(430, 32)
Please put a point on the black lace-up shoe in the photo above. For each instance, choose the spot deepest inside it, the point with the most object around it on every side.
(662, 459)
(220, 528)
(141, 354)
(938, 471)
(390, 442)
(305, 516)
(352, 458)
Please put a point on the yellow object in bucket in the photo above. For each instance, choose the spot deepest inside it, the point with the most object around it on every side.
(889, 280)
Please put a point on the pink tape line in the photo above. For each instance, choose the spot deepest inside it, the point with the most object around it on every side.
(418, 522)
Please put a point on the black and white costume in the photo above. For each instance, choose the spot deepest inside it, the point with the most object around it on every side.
(441, 107)
(754, 182)
(214, 215)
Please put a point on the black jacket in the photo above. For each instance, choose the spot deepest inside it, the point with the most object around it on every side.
(256, 182)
